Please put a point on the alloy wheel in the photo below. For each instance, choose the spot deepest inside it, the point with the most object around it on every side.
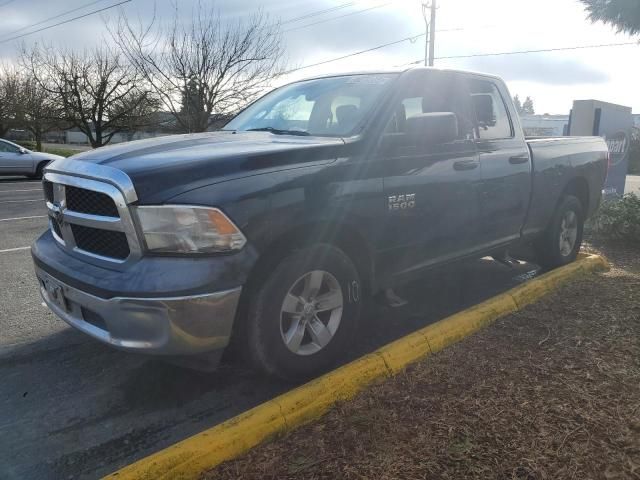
(311, 312)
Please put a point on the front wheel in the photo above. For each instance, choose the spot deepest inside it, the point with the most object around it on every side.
(561, 242)
(39, 171)
(302, 319)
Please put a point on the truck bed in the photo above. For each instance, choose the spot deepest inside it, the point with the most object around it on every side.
(555, 160)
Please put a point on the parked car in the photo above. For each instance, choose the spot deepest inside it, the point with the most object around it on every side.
(317, 196)
(17, 160)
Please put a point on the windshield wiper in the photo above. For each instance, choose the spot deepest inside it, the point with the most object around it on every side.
(278, 131)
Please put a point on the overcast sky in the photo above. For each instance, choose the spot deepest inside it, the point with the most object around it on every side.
(552, 79)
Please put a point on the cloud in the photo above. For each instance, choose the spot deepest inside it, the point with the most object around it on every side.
(538, 68)
(552, 78)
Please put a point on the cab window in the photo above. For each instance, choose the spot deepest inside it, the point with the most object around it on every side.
(490, 110)
(434, 93)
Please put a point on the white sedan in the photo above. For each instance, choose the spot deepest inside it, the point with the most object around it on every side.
(17, 160)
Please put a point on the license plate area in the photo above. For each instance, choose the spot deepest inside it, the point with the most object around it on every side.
(55, 293)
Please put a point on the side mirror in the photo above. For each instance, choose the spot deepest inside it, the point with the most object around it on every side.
(483, 104)
(432, 128)
(23, 151)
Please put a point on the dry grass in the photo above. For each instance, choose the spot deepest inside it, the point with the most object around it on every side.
(552, 392)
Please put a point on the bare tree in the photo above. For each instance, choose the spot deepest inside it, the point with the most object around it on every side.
(204, 69)
(98, 90)
(141, 113)
(9, 81)
(38, 109)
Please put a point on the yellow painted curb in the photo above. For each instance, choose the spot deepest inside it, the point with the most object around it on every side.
(189, 458)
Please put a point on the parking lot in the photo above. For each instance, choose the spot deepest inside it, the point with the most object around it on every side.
(73, 408)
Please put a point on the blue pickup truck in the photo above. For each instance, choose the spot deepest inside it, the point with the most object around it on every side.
(320, 194)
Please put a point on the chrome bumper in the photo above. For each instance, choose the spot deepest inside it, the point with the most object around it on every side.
(165, 326)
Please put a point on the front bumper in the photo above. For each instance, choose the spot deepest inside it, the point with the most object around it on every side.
(183, 325)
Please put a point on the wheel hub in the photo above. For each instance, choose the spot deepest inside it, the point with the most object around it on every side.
(308, 310)
(568, 233)
(311, 312)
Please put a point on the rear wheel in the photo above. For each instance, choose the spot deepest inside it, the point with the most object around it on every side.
(561, 242)
(302, 318)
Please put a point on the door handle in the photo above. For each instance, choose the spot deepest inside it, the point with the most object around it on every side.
(461, 165)
(519, 159)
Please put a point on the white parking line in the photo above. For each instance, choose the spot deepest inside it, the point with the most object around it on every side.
(21, 218)
(29, 190)
(14, 249)
(23, 201)
(20, 184)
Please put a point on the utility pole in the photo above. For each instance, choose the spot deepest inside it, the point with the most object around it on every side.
(430, 31)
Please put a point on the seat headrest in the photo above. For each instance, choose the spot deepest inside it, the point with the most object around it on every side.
(346, 114)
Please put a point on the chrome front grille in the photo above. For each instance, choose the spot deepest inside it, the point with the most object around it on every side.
(87, 201)
(101, 242)
(48, 191)
(90, 218)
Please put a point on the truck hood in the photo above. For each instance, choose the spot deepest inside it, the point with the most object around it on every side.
(161, 168)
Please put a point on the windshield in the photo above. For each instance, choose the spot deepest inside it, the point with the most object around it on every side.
(332, 106)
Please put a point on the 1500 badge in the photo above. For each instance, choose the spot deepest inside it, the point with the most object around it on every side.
(402, 202)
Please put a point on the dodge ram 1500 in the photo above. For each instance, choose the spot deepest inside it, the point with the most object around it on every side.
(315, 197)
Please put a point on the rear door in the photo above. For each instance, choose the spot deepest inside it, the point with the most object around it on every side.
(12, 161)
(505, 163)
(430, 190)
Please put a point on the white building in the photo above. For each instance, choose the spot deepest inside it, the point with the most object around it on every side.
(545, 125)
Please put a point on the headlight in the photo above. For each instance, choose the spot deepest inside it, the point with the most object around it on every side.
(183, 229)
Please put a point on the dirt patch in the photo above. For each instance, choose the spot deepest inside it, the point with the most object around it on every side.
(551, 392)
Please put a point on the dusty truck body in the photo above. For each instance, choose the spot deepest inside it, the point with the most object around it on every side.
(313, 199)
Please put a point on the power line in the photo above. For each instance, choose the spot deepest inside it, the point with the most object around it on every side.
(52, 18)
(410, 39)
(521, 52)
(338, 17)
(318, 12)
(355, 53)
(558, 49)
(65, 21)
(491, 54)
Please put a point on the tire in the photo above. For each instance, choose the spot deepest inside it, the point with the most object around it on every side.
(39, 171)
(273, 330)
(561, 242)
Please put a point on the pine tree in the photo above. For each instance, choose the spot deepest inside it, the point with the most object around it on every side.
(527, 107)
(518, 104)
(193, 109)
(622, 14)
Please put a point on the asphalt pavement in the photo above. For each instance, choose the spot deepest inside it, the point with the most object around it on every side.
(73, 408)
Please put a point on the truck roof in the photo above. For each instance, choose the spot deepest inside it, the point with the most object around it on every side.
(398, 70)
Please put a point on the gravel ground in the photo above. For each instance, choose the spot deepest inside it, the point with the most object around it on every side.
(552, 392)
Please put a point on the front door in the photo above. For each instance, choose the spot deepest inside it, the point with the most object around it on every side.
(505, 165)
(12, 161)
(430, 189)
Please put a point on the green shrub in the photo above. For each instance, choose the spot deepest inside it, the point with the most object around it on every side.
(634, 153)
(618, 219)
(29, 145)
(65, 152)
